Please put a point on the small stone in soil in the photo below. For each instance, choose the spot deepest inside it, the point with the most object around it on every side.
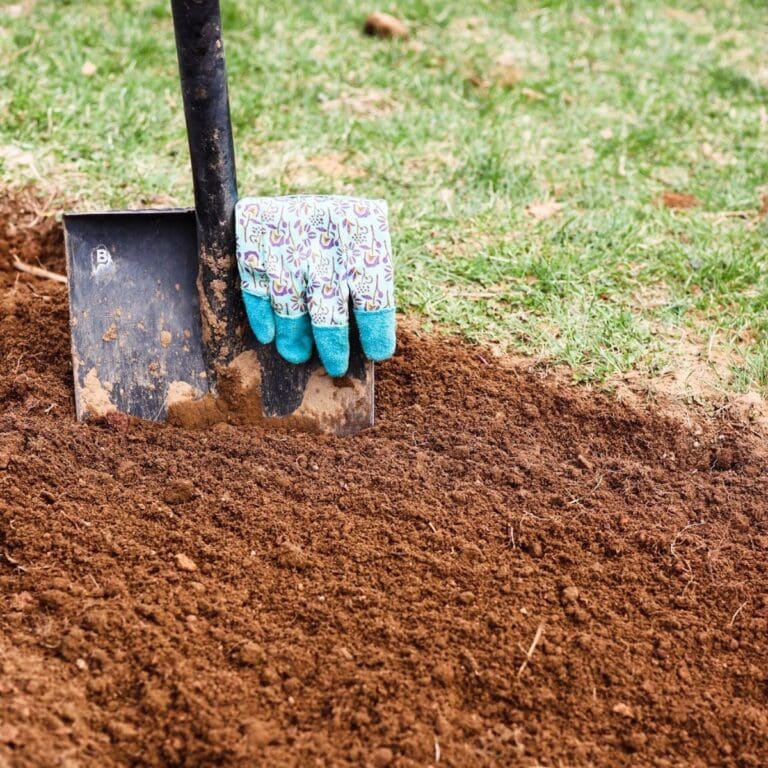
(382, 757)
(622, 709)
(185, 563)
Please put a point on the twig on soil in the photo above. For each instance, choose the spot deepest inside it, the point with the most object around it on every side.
(13, 562)
(43, 296)
(679, 534)
(738, 611)
(76, 521)
(41, 211)
(715, 215)
(18, 362)
(578, 500)
(37, 271)
(534, 643)
(437, 751)
(8, 60)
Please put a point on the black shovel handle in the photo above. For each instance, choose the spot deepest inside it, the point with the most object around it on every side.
(200, 50)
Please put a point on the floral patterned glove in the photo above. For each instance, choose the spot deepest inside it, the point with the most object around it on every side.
(301, 258)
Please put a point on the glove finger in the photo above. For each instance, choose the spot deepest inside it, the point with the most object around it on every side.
(254, 282)
(250, 242)
(333, 347)
(294, 338)
(328, 305)
(287, 288)
(261, 316)
(371, 280)
(377, 333)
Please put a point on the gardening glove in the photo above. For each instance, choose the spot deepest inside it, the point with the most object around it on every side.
(301, 258)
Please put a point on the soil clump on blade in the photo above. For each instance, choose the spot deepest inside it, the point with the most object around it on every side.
(505, 571)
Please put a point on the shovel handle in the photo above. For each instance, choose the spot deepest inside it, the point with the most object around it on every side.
(200, 50)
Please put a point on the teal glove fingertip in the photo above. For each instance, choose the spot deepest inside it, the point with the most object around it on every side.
(294, 338)
(377, 333)
(333, 348)
(261, 316)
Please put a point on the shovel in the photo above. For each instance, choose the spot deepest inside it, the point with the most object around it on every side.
(158, 326)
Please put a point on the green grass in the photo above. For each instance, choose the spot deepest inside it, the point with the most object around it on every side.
(618, 102)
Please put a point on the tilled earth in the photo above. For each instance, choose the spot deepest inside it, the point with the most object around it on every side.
(505, 571)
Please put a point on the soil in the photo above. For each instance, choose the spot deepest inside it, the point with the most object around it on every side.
(507, 570)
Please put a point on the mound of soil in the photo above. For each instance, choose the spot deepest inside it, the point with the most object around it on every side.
(504, 571)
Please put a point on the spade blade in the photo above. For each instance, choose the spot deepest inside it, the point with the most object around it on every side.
(137, 343)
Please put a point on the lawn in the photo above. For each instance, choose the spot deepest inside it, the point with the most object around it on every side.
(578, 181)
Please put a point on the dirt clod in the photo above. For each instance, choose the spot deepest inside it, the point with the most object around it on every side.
(179, 491)
(259, 733)
(291, 555)
(250, 654)
(678, 200)
(570, 594)
(384, 25)
(54, 599)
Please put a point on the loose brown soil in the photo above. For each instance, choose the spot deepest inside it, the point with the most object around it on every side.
(505, 571)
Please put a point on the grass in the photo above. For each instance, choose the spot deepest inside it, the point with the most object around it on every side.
(492, 106)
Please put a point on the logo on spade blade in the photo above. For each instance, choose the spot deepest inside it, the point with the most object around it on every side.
(101, 260)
